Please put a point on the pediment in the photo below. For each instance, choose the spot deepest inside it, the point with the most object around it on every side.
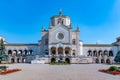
(60, 26)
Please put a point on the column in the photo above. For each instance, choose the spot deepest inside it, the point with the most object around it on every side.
(49, 52)
(56, 51)
(63, 52)
(71, 52)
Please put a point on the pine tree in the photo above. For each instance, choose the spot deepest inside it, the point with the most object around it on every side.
(3, 56)
(117, 57)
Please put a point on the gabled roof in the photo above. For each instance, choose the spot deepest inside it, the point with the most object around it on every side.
(60, 25)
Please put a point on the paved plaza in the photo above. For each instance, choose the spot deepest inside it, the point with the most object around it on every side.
(59, 72)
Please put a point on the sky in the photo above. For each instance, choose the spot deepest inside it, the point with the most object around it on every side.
(21, 20)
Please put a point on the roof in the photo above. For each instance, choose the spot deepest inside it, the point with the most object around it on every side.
(100, 45)
(62, 43)
(21, 44)
(116, 43)
(118, 37)
(56, 16)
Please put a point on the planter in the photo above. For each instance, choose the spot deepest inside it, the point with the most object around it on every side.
(115, 72)
(9, 71)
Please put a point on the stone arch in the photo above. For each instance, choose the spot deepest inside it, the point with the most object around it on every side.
(20, 52)
(67, 60)
(9, 52)
(15, 52)
(105, 53)
(53, 60)
(100, 52)
(12, 60)
(60, 51)
(95, 53)
(53, 50)
(89, 52)
(74, 52)
(96, 60)
(25, 52)
(102, 61)
(73, 41)
(67, 50)
(111, 53)
(108, 61)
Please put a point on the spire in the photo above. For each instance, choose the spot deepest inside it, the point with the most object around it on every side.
(60, 13)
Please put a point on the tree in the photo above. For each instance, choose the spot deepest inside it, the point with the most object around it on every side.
(117, 57)
(3, 56)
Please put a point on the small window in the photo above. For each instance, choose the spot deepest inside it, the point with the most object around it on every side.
(60, 21)
(73, 42)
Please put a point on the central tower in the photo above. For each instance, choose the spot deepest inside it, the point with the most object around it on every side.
(60, 19)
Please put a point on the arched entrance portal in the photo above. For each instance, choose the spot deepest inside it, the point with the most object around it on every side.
(67, 60)
(67, 51)
(53, 50)
(53, 60)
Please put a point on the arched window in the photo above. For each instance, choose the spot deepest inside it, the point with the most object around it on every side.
(111, 53)
(60, 21)
(105, 52)
(100, 52)
(46, 41)
(9, 52)
(20, 52)
(95, 53)
(73, 42)
(15, 52)
(53, 50)
(25, 52)
(89, 53)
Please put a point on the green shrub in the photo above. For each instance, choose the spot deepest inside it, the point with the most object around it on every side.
(66, 62)
(113, 68)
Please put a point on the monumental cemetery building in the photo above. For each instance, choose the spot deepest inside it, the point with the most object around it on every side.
(61, 43)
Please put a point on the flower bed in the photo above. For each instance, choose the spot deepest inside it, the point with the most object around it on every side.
(9, 71)
(6, 63)
(115, 72)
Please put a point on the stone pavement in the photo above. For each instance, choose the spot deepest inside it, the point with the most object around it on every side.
(59, 72)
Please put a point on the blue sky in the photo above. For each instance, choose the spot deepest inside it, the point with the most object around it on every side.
(21, 20)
